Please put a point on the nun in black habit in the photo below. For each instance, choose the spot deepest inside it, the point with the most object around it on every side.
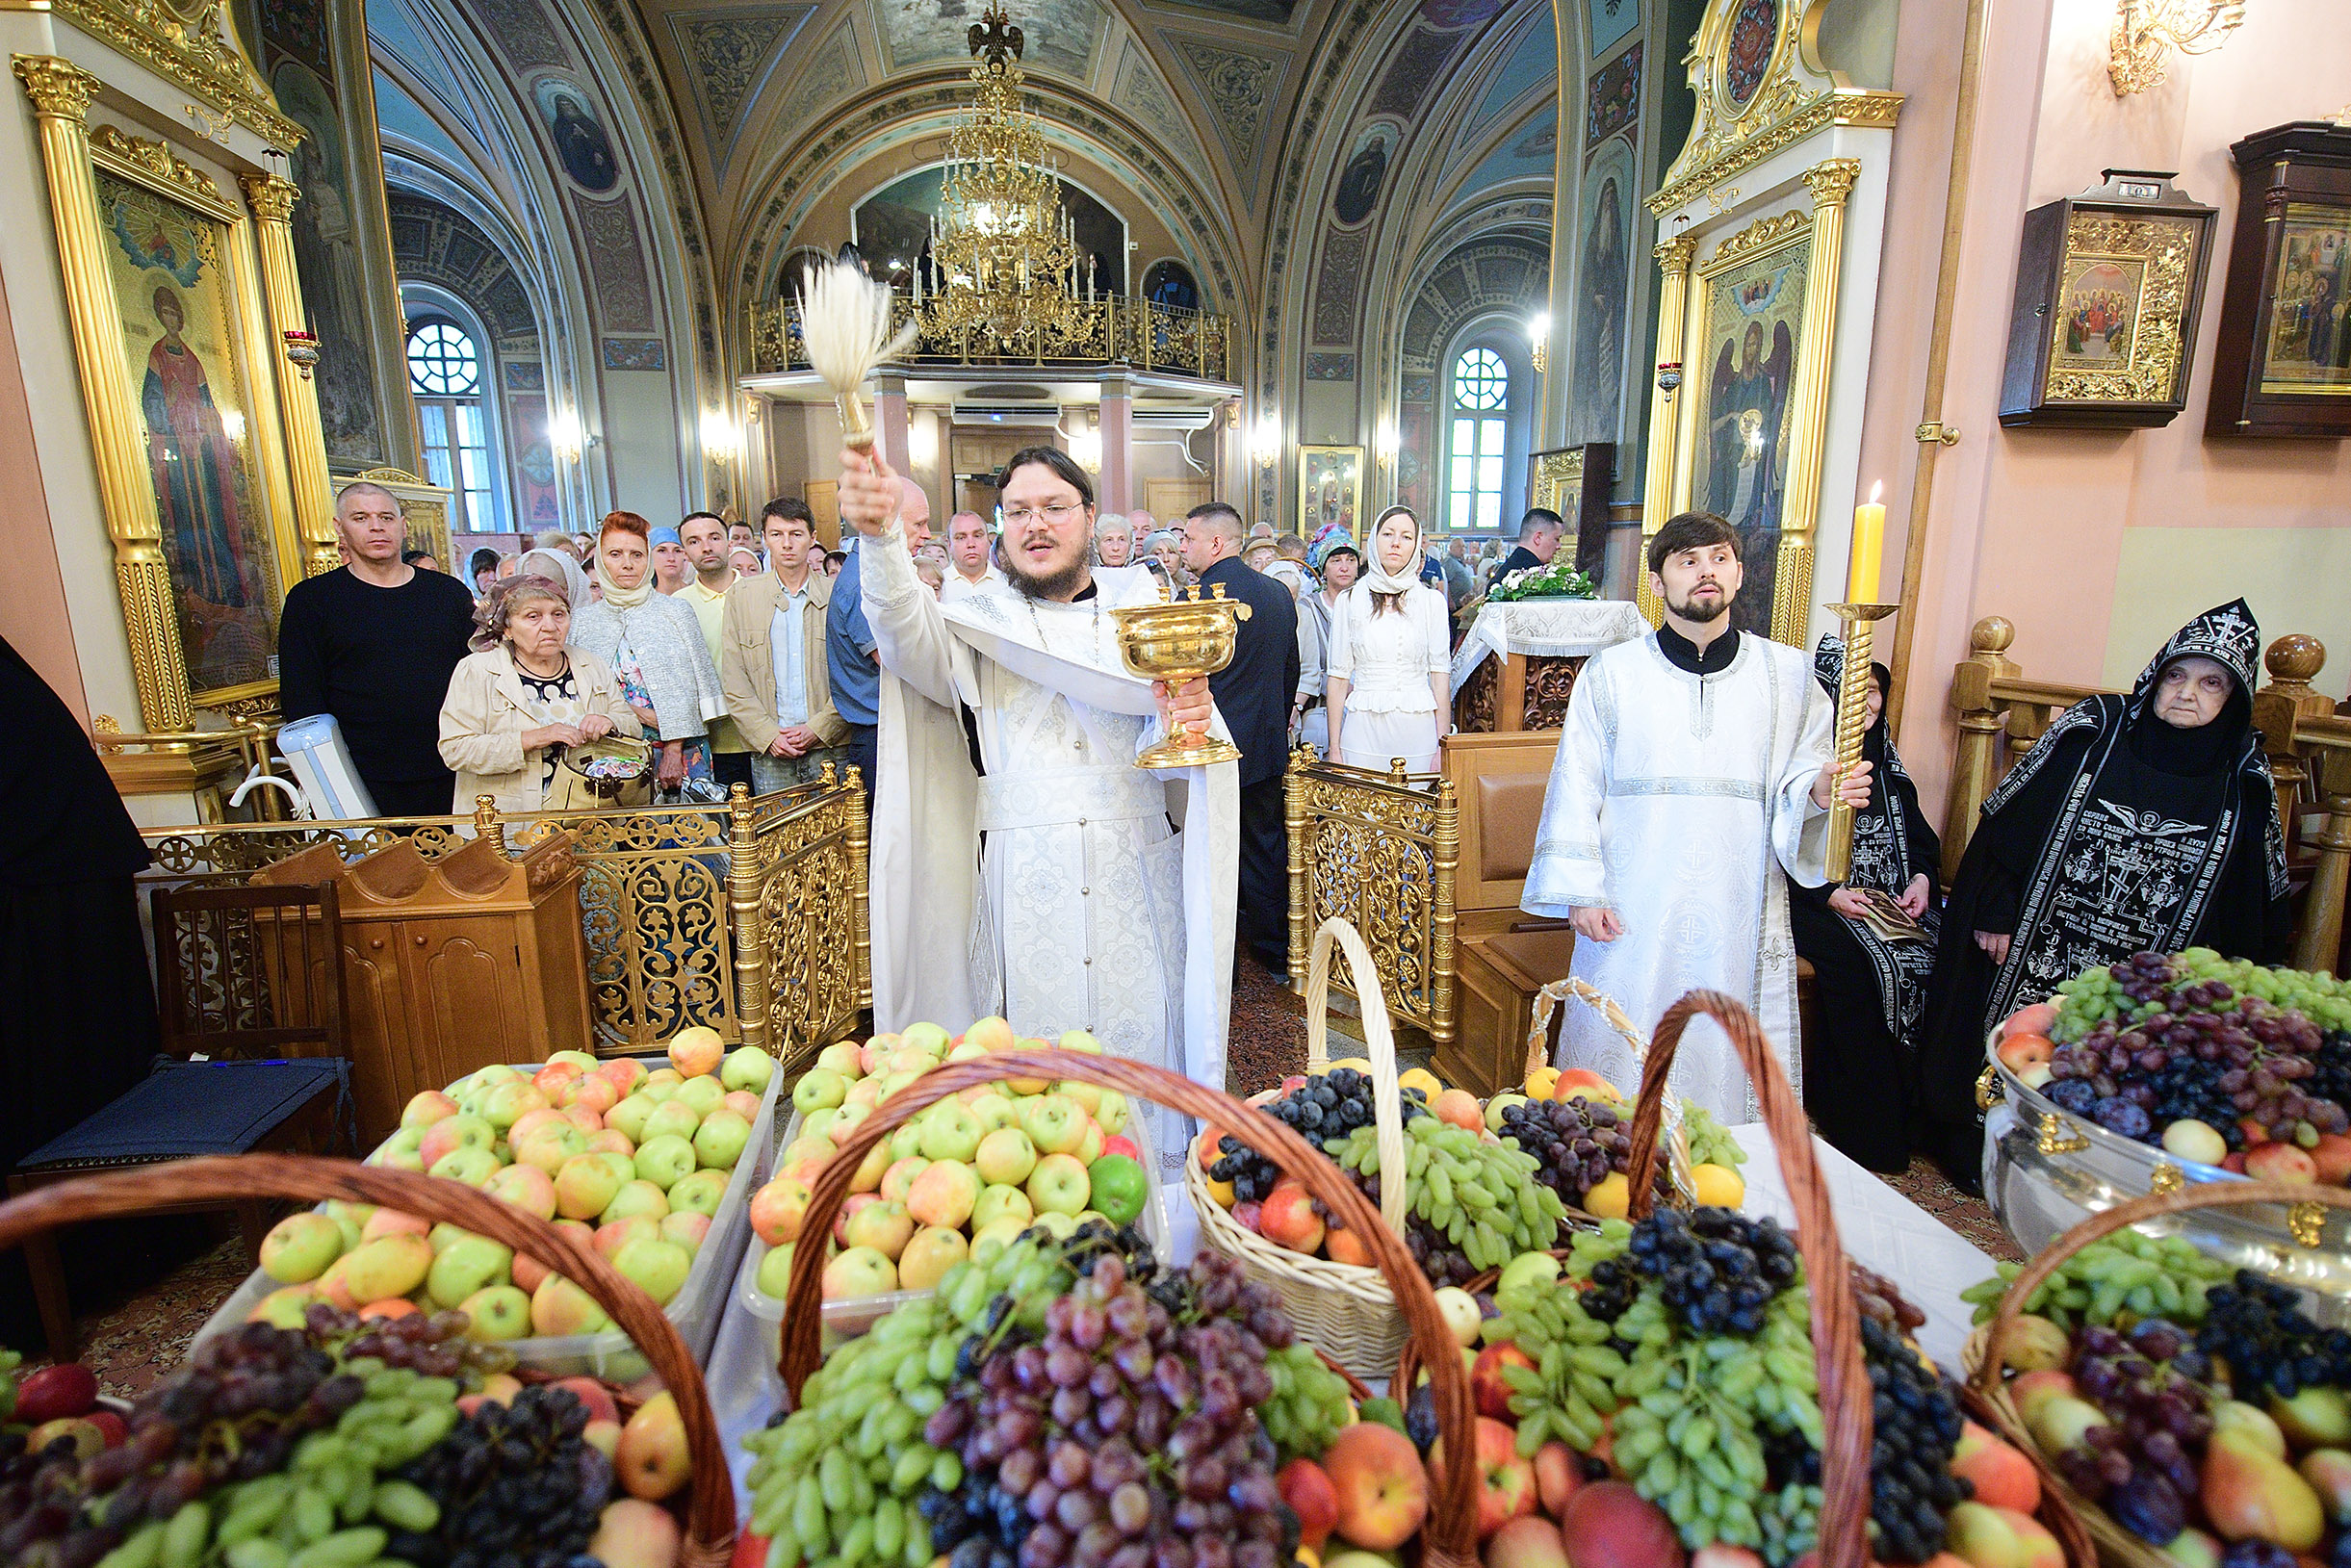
(1869, 990)
(2139, 823)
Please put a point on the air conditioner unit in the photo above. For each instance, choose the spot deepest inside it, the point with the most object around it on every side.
(1174, 419)
(1007, 413)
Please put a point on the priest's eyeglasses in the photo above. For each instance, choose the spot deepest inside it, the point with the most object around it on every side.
(1054, 515)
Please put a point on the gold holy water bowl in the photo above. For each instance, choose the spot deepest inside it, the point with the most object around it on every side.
(1184, 639)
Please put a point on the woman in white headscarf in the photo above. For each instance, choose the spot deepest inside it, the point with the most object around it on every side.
(656, 644)
(559, 565)
(1389, 682)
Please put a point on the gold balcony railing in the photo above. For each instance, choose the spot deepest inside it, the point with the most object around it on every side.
(1380, 849)
(748, 916)
(1113, 330)
(2002, 713)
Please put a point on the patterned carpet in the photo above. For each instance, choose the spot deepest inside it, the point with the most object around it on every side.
(132, 1338)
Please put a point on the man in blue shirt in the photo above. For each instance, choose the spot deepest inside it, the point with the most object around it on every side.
(848, 641)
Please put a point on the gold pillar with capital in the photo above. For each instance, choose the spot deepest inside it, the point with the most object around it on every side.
(1673, 259)
(1831, 181)
(271, 200)
(60, 94)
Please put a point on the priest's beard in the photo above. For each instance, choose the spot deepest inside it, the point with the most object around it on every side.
(1057, 583)
(1704, 614)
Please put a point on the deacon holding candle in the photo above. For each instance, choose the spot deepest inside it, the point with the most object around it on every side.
(1695, 769)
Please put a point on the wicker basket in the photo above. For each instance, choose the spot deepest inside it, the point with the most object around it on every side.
(1539, 1055)
(1986, 1345)
(709, 1499)
(1450, 1537)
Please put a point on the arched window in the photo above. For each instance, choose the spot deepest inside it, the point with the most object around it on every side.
(446, 376)
(1480, 416)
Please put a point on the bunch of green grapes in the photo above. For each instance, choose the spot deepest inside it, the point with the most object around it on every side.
(1481, 1198)
(1710, 1144)
(2148, 1276)
(1308, 1406)
(850, 1460)
(2096, 995)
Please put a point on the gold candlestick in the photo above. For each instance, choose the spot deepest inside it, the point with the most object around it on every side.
(1852, 723)
(1179, 641)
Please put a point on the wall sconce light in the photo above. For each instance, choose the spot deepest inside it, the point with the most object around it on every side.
(2144, 30)
(721, 437)
(1386, 443)
(1266, 445)
(565, 434)
(1538, 340)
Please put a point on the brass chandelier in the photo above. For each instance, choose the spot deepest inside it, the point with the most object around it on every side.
(1007, 253)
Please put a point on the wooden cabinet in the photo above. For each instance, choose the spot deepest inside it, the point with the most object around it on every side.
(453, 965)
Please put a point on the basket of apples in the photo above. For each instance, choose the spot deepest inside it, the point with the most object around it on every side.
(647, 1167)
(2189, 1414)
(338, 1439)
(1079, 1400)
(989, 1161)
(2164, 1068)
(1445, 1187)
(1680, 1383)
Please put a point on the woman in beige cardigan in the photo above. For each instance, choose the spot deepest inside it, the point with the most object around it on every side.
(514, 706)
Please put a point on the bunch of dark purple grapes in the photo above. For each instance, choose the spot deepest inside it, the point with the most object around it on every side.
(1444, 1263)
(1575, 1143)
(2257, 1327)
(235, 1411)
(1319, 1110)
(432, 1345)
(2150, 1385)
(517, 1484)
(2204, 1052)
(1123, 1435)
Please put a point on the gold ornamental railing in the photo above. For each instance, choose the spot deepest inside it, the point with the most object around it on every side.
(1113, 330)
(747, 916)
(2002, 713)
(1380, 849)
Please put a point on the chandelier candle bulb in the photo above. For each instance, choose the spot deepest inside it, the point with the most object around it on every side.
(1869, 549)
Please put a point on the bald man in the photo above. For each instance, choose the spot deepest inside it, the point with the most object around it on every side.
(849, 654)
(372, 643)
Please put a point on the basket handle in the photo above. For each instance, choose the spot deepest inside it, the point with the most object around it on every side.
(1845, 1394)
(1379, 1039)
(2210, 1195)
(709, 1529)
(1451, 1537)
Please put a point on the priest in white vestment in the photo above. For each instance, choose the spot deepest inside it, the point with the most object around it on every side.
(1049, 887)
(1696, 766)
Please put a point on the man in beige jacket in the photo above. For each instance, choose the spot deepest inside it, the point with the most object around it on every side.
(771, 659)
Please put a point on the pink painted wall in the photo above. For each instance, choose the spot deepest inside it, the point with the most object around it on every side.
(33, 612)
(2032, 523)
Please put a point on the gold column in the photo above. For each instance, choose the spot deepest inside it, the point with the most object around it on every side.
(271, 200)
(1673, 259)
(1832, 182)
(60, 94)
(1294, 820)
(1445, 850)
(745, 877)
(860, 885)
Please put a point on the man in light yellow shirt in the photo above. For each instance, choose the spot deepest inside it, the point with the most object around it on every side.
(705, 537)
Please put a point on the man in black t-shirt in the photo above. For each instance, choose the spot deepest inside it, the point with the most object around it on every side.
(372, 642)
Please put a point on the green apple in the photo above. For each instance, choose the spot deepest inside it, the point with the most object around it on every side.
(635, 1199)
(473, 1167)
(929, 1036)
(551, 1146)
(656, 1267)
(993, 1111)
(577, 1059)
(491, 1076)
(1112, 1114)
(527, 1187)
(1058, 1185)
(464, 1266)
(443, 1234)
(860, 1270)
(718, 1142)
(966, 1052)
(774, 1276)
(660, 1090)
(1078, 1040)
(819, 1088)
(505, 1104)
(701, 1094)
(498, 1312)
(1005, 1157)
(284, 1307)
(673, 1118)
(1116, 1187)
(882, 1226)
(560, 1308)
(928, 1258)
(1054, 1124)
(1058, 1225)
(423, 1110)
(1001, 1202)
(1528, 1267)
(1496, 1106)
(905, 1142)
(585, 1186)
(455, 1132)
(687, 1230)
(663, 1160)
(991, 1238)
(299, 1246)
(949, 1132)
(840, 1056)
(628, 1118)
(698, 1193)
(821, 1123)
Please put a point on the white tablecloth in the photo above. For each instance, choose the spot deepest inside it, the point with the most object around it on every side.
(1881, 1230)
(1547, 628)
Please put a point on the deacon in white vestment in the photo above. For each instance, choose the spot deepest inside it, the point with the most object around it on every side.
(1695, 765)
(1049, 887)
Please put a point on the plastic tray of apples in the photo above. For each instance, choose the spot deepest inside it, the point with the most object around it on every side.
(696, 1302)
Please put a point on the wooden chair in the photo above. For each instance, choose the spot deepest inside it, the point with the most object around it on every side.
(251, 997)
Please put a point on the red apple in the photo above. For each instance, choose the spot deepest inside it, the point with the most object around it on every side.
(1486, 1384)
(1287, 1218)
(111, 1426)
(1721, 1556)
(1611, 1526)
(1526, 1542)
(2281, 1162)
(2018, 1052)
(1460, 1107)
(1506, 1482)
(1382, 1487)
(2037, 1020)
(54, 1392)
(1306, 1486)
(2002, 1476)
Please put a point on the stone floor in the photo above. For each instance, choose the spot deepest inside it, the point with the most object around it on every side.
(132, 1340)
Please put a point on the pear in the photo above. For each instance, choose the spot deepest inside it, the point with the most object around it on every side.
(2058, 1423)
(2329, 1473)
(2314, 1418)
(2248, 1493)
(2237, 1416)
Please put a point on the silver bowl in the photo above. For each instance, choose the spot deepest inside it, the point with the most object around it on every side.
(2046, 1169)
